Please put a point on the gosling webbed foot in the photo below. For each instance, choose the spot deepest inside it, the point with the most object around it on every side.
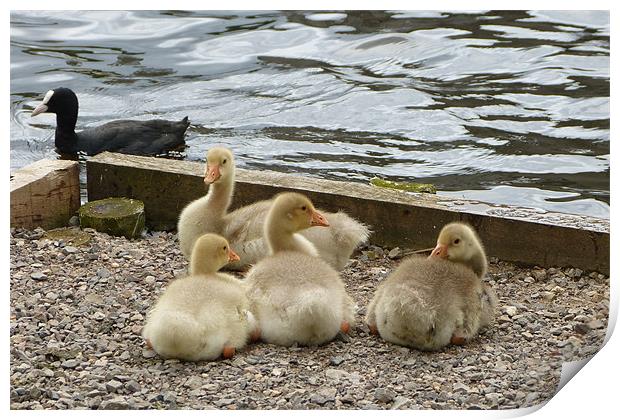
(228, 352)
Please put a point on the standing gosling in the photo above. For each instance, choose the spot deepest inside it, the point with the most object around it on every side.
(244, 227)
(203, 315)
(428, 303)
(296, 296)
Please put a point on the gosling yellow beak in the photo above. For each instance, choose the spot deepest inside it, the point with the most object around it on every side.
(440, 251)
(232, 256)
(318, 219)
(212, 174)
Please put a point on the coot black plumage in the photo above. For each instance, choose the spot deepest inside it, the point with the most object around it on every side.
(150, 137)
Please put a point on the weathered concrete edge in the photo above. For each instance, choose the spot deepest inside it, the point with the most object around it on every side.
(44, 194)
(397, 218)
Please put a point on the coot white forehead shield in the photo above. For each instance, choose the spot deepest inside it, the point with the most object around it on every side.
(42, 107)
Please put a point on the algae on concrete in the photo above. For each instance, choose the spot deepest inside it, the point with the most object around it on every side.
(404, 186)
(117, 216)
(69, 235)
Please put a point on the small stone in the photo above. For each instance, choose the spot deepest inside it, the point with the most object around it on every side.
(224, 402)
(336, 360)
(93, 298)
(596, 324)
(37, 275)
(70, 250)
(149, 280)
(339, 374)
(24, 367)
(117, 403)
(148, 354)
(459, 386)
(399, 402)
(70, 364)
(509, 310)
(384, 395)
(133, 386)
(548, 296)
(323, 396)
(51, 296)
(539, 275)
(394, 253)
(99, 316)
(194, 382)
(113, 385)
(582, 328)
(74, 221)
(47, 372)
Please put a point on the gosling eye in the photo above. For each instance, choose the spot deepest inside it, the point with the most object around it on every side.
(304, 208)
(457, 241)
(224, 248)
(224, 162)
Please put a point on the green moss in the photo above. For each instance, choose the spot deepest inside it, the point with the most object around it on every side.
(117, 216)
(404, 186)
(72, 235)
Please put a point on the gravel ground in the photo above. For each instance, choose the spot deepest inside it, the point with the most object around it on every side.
(77, 313)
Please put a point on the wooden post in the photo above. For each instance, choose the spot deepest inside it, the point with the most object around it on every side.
(45, 194)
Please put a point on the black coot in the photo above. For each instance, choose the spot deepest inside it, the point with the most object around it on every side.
(150, 137)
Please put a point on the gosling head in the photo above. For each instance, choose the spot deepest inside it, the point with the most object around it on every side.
(220, 165)
(210, 253)
(458, 242)
(296, 212)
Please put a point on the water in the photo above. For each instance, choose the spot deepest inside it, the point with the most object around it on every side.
(505, 107)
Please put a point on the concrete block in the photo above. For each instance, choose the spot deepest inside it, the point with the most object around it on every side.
(45, 194)
(397, 218)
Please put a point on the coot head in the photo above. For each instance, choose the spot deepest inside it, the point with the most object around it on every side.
(58, 101)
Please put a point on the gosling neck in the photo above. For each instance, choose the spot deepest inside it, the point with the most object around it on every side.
(478, 263)
(220, 195)
(279, 238)
(200, 265)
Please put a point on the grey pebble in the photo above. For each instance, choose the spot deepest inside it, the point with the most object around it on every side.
(70, 249)
(384, 395)
(37, 275)
(113, 385)
(70, 364)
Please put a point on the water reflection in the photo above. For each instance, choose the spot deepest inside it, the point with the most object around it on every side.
(509, 107)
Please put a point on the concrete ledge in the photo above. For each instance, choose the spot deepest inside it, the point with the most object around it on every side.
(45, 193)
(410, 221)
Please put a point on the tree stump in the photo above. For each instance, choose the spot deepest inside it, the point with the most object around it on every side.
(117, 216)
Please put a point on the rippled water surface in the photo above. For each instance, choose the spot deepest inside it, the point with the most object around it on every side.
(505, 107)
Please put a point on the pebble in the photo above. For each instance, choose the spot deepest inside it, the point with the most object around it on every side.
(399, 402)
(70, 364)
(75, 340)
(70, 250)
(394, 253)
(133, 386)
(117, 403)
(509, 310)
(384, 395)
(113, 385)
(336, 360)
(37, 275)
